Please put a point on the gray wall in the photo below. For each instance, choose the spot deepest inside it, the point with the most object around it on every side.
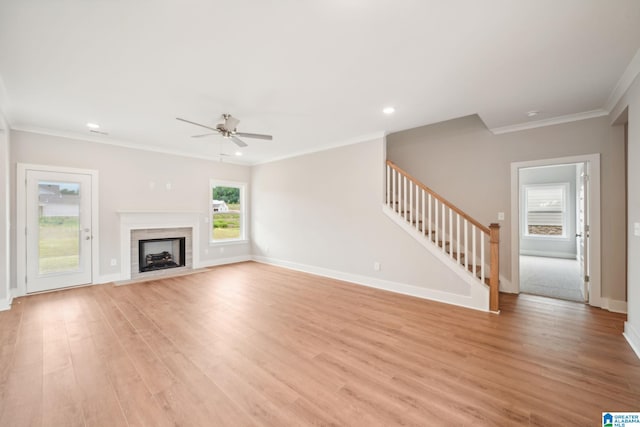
(470, 166)
(4, 212)
(324, 210)
(555, 247)
(124, 177)
(632, 100)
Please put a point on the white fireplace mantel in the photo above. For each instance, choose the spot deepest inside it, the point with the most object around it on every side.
(140, 220)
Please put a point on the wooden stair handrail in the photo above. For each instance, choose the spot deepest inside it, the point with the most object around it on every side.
(450, 205)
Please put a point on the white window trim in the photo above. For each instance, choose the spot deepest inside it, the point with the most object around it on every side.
(243, 212)
(565, 214)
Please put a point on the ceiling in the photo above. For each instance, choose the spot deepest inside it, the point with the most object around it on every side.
(314, 74)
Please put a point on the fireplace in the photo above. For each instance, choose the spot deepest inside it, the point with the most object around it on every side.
(149, 225)
(157, 252)
(160, 254)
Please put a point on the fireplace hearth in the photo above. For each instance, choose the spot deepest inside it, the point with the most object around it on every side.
(160, 254)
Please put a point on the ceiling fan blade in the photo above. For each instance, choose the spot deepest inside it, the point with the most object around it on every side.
(238, 141)
(255, 135)
(197, 124)
(203, 135)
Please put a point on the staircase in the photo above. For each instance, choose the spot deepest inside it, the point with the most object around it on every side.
(459, 240)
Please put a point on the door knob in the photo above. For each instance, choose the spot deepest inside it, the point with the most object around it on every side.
(578, 234)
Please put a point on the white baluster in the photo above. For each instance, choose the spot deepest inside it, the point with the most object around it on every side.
(481, 256)
(417, 215)
(430, 216)
(394, 194)
(411, 210)
(473, 240)
(436, 223)
(450, 233)
(466, 244)
(444, 227)
(404, 192)
(388, 185)
(423, 217)
(458, 235)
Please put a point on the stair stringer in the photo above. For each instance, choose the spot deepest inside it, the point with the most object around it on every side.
(478, 298)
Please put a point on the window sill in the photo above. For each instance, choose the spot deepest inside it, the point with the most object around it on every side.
(553, 238)
(228, 242)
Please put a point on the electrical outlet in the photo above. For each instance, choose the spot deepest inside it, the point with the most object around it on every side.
(636, 228)
(376, 266)
(168, 186)
(500, 216)
(114, 262)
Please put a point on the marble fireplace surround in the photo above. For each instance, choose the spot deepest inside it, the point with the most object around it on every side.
(142, 220)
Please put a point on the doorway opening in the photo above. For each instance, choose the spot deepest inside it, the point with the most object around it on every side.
(552, 220)
(555, 237)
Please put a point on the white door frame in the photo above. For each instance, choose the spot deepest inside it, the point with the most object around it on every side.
(21, 223)
(593, 213)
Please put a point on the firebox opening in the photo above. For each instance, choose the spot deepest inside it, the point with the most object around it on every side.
(159, 254)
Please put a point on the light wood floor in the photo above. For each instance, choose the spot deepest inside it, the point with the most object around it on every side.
(251, 344)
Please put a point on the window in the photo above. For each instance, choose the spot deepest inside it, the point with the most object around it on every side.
(227, 211)
(546, 210)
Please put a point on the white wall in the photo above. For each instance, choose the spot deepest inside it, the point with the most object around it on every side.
(322, 213)
(552, 247)
(632, 100)
(470, 166)
(124, 177)
(5, 298)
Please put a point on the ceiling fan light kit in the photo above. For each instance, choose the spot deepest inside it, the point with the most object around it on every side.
(228, 129)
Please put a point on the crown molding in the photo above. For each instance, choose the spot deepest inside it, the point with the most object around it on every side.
(550, 122)
(127, 144)
(625, 82)
(331, 146)
(123, 143)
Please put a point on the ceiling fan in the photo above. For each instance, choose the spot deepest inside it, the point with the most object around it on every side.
(228, 130)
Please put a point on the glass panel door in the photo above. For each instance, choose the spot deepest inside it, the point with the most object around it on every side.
(58, 230)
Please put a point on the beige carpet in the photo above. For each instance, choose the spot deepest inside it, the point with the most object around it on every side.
(551, 277)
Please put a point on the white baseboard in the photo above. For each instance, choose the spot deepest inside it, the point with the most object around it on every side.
(224, 261)
(472, 301)
(108, 278)
(633, 337)
(5, 303)
(613, 305)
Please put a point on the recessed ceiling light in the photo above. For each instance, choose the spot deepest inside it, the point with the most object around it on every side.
(238, 153)
(532, 113)
(93, 126)
(389, 110)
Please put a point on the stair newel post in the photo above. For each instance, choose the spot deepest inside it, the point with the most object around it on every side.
(494, 279)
